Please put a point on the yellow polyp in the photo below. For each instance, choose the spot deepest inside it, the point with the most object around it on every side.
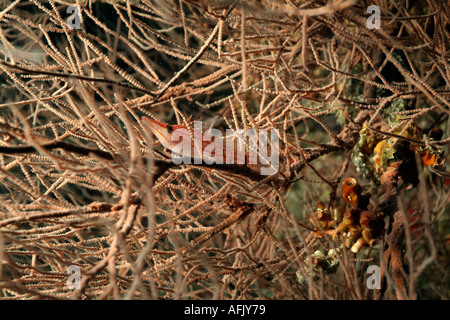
(428, 159)
(367, 236)
(379, 147)
(358, 245)
(351, 190)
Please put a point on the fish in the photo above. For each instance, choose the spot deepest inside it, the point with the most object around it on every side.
(212, 147)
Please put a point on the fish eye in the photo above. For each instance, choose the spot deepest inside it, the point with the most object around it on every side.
(169, 129)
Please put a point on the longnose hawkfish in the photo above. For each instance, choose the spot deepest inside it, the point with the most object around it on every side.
(212, 147)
